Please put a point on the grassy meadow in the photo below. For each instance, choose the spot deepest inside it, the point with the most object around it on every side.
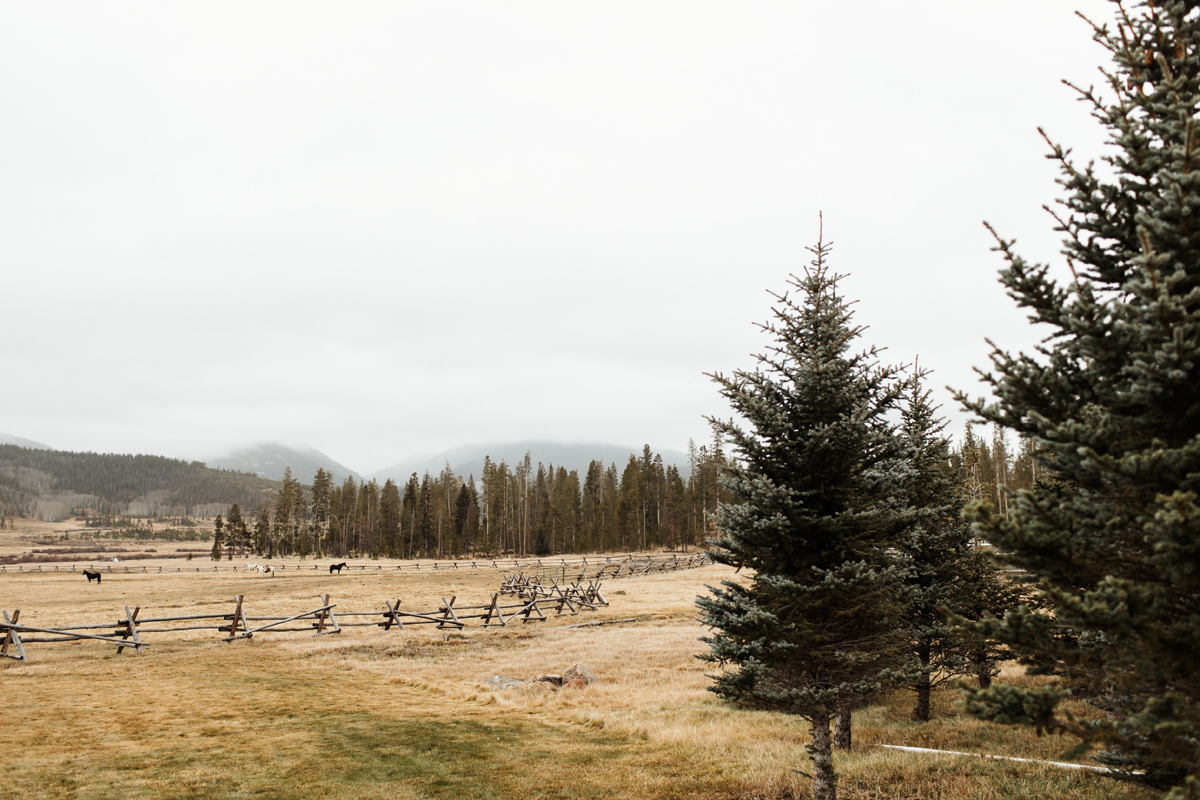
(405, 714)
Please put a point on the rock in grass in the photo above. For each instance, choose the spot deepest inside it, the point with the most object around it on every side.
(553, 680)
(504, 682)
(579, 672)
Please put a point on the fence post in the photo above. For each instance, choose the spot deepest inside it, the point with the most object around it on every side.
(449, 609)
(238, 617)
(131, 630)
(12, 637)
(327, 613)
(393, 615)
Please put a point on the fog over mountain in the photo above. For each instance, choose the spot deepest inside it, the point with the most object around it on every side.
(8, 438)
(468, 459)
(270, 459)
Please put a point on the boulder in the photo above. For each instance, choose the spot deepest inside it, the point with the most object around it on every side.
(504, 682)
(579, 672)
(554, 680)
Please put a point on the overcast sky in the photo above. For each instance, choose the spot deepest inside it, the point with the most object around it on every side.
(383, 229)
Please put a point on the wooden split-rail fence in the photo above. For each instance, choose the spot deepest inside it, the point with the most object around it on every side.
(128, 630)
(596, 567)
(583, 593)
(595, 570)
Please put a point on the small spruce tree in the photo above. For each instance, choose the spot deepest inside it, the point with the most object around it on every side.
(1112, 401)
(948, 581)
(812, 628)
(218, 538)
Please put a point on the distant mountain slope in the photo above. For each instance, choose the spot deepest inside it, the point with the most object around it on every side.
(269, 459)
(52, 482)
(8, 438)
(468, 459)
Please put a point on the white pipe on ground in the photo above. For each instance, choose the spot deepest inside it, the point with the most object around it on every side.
(1064, 764)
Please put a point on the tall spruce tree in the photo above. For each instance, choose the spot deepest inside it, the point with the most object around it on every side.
(322, 486)
(390, 513)
(262, 531)
(239, 534)
(464, 512)
(813, 626)
(1112, 401)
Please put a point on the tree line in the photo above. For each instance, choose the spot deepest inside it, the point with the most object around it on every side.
(524, 509)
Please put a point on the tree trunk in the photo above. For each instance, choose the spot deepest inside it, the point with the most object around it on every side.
(824, 779)
(921, 712)
(984, 674)
(983, 667)
(841, 727)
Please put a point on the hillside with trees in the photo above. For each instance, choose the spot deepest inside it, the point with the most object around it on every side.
(525, 508)
(51, 484)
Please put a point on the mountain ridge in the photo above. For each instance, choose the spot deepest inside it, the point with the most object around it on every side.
(269, 459)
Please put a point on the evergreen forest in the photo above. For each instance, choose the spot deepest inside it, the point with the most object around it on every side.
(525, 509)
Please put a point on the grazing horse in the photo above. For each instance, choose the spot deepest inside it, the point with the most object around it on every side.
(337, 567)
(89, 575)
(252, 568)
(267, 570)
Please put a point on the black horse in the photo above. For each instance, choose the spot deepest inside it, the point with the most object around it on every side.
(336, 568)
(89, 575)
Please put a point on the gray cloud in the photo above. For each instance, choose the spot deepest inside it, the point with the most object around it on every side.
(383, 229)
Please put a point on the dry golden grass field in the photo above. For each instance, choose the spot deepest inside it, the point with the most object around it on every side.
(405, 714)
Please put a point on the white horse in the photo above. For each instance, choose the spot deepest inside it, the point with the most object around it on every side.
(253, 568)
(267, 570)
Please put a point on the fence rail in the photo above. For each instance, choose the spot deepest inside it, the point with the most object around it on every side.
(615, 566)
(319, 621)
